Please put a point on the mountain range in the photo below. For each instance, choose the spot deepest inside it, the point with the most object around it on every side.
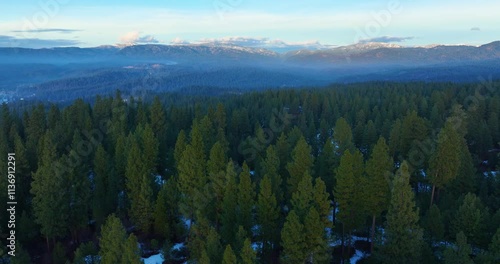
(76, 71)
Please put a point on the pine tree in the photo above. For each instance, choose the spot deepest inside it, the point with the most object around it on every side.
(403, 235)
(131, 252)
(283, 152)
(180, 146)
(342, 136)
(78, 186)
(121, 151)
(113, 237)
(293, 241)
(377, 188)
(106, 189)
(469, 218)
(326, 163)
(302, 199)
(49, 202)
(161, 215)
(445, 161)
(86, 253)
(216, 167)
(213, 246)
(271, 167)
(322, 202)
(142, 205)
(229, 257)
(494, 247)
(267, 217)
(413, 129)
(247, 254)
(347, 194)
(217, 160)
(158, 123)
(433, 223)
(139, 187)
(302, 163)
(229, 205)
(204, 259)
(239, 239)
(23, 173)
(192, 173)
(150, 148)
(246, 199)
(315, 239)
(465, 181)
(198, 238)
(461, 253)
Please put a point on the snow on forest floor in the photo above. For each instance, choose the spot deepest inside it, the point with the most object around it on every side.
(154, 259)
(357, 256)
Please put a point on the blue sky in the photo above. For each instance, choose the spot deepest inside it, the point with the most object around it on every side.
(259, 23)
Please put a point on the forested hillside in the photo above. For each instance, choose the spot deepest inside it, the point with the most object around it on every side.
(372, 172)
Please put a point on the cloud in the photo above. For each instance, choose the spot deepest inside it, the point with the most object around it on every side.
(133, 37)
(277, 45)
(386, 39)
(475, 29)
(36, 43)
(179, 41)
(48, 30)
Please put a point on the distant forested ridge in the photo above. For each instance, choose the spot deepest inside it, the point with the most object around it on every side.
(374, 172)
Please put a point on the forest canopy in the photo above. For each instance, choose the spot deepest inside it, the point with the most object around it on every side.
(387, 172)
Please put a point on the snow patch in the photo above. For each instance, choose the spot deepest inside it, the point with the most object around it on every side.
(154, 259)
(357, 256)
(256, 246)
(178, 246)
(159, 180)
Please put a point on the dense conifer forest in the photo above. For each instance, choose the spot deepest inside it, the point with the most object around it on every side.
(381, 172)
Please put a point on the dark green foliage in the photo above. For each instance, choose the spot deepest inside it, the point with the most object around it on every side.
(469, 218)
(342, 135)
(317, 247)
(106, 189)
(229, 206)
(459, 253)
(247, 254)
(84, 250)
(229, 256)
(293, 240)
(376, 184)
(346, 193)
(271, 168)
(112, 239)
(267, 217)
(403, 235)
(302, 162)
(49, 203)
(58, 254)
(433, 223)
(494, 247)
(158, 162)
(246, 199)
(22, 256)
(115, 246)
(445, 161)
